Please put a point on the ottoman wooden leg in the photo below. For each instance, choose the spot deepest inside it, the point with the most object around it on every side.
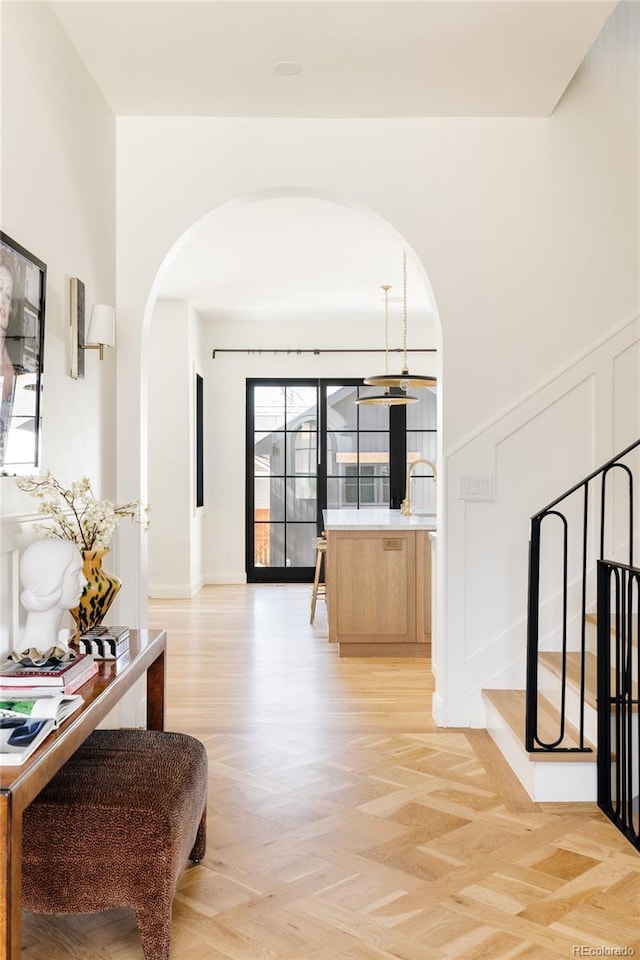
(200, 843)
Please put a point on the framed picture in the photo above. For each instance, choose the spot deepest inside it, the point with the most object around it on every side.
(23, 280)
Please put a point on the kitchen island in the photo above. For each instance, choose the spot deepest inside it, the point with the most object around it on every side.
(378, 582)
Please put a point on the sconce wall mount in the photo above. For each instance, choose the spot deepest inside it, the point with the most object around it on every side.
(100, 334)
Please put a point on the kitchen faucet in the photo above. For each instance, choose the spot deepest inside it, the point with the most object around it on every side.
(405, 506)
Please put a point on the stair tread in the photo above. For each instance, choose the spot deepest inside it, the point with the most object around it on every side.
(593, 618)
(511, 705)
(553, 661)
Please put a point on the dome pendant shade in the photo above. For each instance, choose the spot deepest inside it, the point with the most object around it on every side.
(393, 396)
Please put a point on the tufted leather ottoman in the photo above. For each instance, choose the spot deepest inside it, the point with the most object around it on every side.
(115, 827)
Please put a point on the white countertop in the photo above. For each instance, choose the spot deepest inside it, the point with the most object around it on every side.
(371, 518)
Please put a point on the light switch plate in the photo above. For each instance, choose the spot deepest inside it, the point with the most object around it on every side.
(476, 488)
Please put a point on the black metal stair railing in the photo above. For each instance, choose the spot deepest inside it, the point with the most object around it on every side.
(618, 685)
(585, 539)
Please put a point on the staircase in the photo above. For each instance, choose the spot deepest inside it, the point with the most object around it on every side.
(549, 775)
(549, 732)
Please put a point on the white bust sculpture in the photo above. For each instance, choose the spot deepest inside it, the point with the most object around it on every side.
(53, 581)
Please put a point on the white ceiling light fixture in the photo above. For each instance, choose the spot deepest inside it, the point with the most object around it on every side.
(287, 68)
(394, 394)
(404, 380)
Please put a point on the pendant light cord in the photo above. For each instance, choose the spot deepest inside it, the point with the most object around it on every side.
(386, 288)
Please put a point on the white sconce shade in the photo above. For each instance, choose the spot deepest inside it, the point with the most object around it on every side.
(102, 327)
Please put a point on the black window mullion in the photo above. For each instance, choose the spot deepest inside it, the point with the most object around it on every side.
(285, 462)
(250, 511)
(322, 458)
(397, 454)
(358, 456)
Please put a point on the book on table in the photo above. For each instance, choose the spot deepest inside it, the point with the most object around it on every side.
(47, 706)
(65, 675)
(25, 722)
(104, 643)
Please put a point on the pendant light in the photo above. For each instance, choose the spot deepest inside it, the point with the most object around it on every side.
(393, 394)
(405, 379)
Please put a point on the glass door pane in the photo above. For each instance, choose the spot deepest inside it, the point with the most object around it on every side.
(422, 444)
(357, 450)
(282, 491)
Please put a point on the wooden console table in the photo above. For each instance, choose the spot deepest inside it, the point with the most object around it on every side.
(19, 785)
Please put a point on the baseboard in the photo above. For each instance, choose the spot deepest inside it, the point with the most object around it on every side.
(222, 578)
(174, 591)
(437, 710)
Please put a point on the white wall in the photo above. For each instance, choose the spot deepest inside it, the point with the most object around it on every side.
(587, 410)
(170, 448)
(174, 537)
(57, 192)
(527, 230)
(533, 453)
(226, 381)
(197, 362)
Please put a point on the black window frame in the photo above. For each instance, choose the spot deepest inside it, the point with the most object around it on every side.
(398, 438)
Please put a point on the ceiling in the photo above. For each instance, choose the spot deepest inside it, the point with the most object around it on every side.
(388, 58)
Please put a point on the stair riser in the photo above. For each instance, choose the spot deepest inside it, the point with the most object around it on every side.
(544, 781)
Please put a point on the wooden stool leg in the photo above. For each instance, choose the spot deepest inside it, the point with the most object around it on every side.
(316, 584)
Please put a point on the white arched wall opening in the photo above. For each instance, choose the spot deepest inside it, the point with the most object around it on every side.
(378, 225)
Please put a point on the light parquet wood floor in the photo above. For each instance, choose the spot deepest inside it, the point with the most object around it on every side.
(344, 826)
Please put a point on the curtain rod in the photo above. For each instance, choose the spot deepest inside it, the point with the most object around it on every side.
(323, 350)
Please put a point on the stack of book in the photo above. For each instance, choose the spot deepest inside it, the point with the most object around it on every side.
(35, 700)
(26, 721)
(105, 643)
(66, 677)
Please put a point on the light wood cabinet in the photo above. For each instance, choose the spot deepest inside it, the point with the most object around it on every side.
(379, 592)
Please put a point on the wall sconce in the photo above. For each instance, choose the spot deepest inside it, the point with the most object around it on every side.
(101, 332)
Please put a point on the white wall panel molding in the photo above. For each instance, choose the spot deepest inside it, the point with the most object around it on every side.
(534, 451)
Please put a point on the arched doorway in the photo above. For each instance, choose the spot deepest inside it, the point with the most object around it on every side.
(275, 286)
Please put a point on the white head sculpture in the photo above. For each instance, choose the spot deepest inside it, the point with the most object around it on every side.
(52, 580)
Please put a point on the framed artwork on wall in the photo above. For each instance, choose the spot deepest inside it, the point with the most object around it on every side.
(23, 279)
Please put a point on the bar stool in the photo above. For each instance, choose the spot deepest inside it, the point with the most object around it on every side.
(319, 589)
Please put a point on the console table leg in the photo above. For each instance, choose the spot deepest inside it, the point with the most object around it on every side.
(156, 694)
(10, 881)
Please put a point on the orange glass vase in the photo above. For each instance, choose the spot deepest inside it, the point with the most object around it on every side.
(99, 593)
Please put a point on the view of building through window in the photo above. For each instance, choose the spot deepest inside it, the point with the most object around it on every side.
(311, 447)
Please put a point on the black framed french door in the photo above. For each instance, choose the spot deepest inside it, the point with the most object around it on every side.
(282, 479)
(311, 446)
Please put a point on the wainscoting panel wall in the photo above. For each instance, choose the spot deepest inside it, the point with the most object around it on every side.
(531, 454)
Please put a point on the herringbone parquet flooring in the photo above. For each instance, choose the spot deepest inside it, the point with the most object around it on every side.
(344, 826)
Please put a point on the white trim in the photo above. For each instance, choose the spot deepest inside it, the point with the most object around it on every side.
(175, 591)
(212, 579)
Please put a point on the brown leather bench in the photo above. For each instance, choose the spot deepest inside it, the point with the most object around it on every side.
(115, 827)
